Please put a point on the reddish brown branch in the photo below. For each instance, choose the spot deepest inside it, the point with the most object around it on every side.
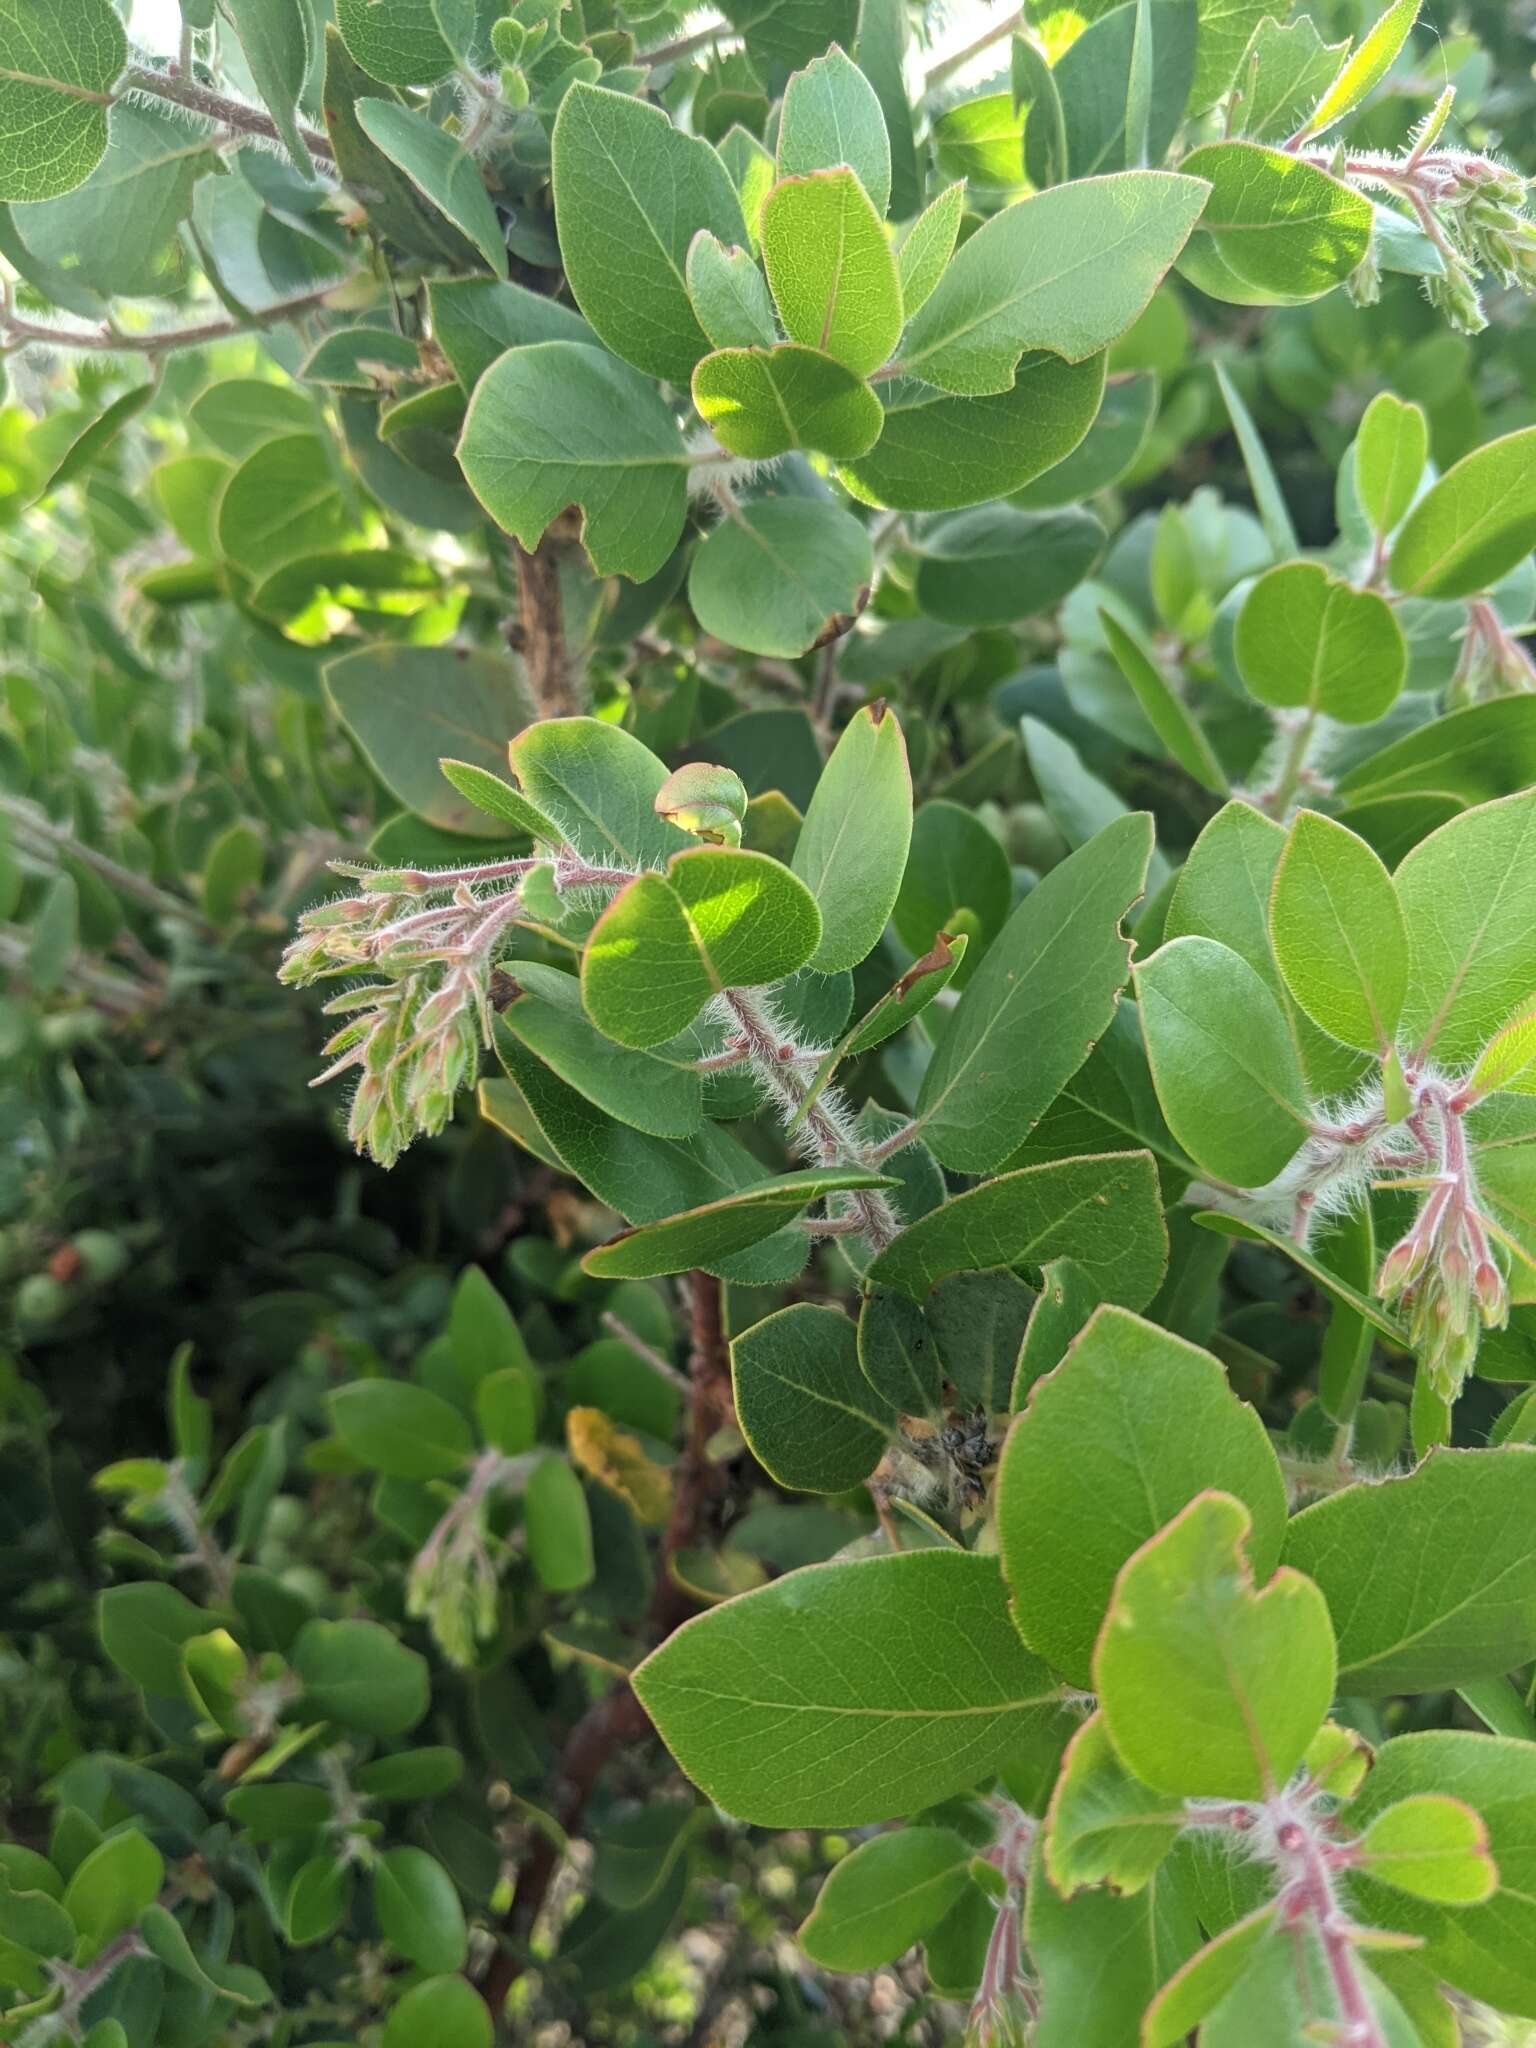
(618, 1718)
(538, 632)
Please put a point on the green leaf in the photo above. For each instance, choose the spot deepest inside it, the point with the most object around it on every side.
(648, 1093)
(440, 2012)
(284, 500)
(507, 1409)
(996, 564)
(1432, 1847)
(418, 1909)
(976, 1104)
(1104, 1825)
(111, 1888)
(720, 918)
(938, 454)
(1204, 1981)
(1332, 1283)
(410, 1774)
(1100, 1958)
(396, 210)
(59, 60)
(1096, 77)
(406, 705)
(728, 295)
(403, 1431)
(1429, 1577)
(34, 1921)
(807, 1411)
(396, 41)
(762, 402)
(1033, 87)
(1391, 449)
(781, 575)
(1468, 894)
(559, 423)
(830, 268)
(1166, 713)
(1338, 933)
(558, 1527)
(483, 1333)
(164, 1937)
(1067, 270)
(831, 116)
(147, 176)
(884, 1896)
(96, 437)
(897, 1354)
(489, 794)
(1473, 526)
(599, 784)
(445, 175)
(1275, 231)
(238, 413)
(884, 38)
(476, 319)
(925, 249)
(957, 876)
(360, 1674)
(1482, 1949)
(781, 34)
(852, 849)
(275, 36)
(1211, 1688)
(1104, 1212)
(631, 192)
(788, 1711)
(142, 1628)
(1223, 1061)
(1361, 73)
(1509, 1059)
(1284, 72)
(1225, 28)
(1126, 1431)
(1305, 639)
(714, 1231)
(1268, 498)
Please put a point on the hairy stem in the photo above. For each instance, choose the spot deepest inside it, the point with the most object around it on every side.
(218, 106)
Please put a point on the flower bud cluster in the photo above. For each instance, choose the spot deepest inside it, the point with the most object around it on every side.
(414, 1036)
(1478, 207)
(1442, 1271)
(1494, 662)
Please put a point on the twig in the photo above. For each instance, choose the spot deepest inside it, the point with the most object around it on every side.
(31, 821)
(684, 46)
(538, 634)
(618, 1718)
(218, 106)
(948, 66)
(15, 331)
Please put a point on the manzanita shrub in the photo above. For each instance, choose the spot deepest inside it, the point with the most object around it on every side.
(885, 700)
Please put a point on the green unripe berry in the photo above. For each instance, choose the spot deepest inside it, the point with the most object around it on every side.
(41, 1300)
(285, 1518)
(103, 1255)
